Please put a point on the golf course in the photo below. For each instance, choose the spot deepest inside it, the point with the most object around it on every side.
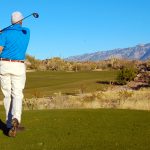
(75, 75)
(99, 129)
(77, 129)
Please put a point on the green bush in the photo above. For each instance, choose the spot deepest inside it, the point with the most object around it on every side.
(126, 74)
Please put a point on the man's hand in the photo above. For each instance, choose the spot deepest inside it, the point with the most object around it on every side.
(1, 48)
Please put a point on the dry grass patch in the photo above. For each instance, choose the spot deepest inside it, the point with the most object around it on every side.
(122, 99)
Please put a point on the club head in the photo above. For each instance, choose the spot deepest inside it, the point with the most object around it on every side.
(35, 15)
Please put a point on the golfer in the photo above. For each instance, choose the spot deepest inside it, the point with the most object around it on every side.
(13, 45)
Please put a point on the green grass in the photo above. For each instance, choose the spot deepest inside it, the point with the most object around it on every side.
(99, 129)
(46, 83)
(41, 84)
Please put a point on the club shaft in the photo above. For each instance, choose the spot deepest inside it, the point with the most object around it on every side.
(16, 23)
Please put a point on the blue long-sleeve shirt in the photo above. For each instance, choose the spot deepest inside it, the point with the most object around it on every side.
(14, 41)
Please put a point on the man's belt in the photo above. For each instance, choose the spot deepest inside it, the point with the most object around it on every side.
(4, 59)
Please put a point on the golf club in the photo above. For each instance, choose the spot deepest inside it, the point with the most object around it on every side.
(35, 15)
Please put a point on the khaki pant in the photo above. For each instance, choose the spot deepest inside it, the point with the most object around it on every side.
(12, 78)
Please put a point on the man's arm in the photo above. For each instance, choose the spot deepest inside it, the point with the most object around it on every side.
(1, 48)
(2, 41)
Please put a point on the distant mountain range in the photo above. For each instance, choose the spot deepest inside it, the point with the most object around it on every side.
(139, 52)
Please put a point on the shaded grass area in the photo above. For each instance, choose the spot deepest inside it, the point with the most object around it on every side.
(99, 129)
(41, 84)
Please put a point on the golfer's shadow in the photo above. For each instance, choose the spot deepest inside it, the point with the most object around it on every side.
(3, 127)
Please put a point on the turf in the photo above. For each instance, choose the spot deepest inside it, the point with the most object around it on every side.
(99, 129)
(40, 84)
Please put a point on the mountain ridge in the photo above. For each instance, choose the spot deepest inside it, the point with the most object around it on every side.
(138, 52)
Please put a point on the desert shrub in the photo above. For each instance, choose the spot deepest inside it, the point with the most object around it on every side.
(34, 63)
(124, 94)
(30, 104)
(55, 64)
(126, 74)
(77, 66)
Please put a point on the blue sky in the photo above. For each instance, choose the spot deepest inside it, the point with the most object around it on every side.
(73, 27)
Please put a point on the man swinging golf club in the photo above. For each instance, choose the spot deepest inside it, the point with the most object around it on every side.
(13, 45)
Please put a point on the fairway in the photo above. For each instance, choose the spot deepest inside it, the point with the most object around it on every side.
(81, 130)
(40, 84)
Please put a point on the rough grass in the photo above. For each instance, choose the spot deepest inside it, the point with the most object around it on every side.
(41, 84)
(81, 130)
(114, 97)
